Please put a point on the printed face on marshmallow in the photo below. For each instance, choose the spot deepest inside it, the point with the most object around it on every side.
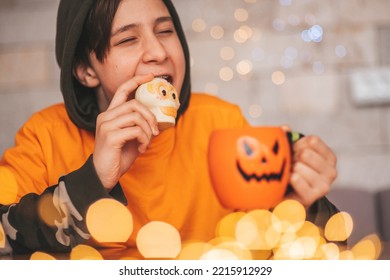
(162, 99)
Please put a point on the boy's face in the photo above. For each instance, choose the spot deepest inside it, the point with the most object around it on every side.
(143, 41)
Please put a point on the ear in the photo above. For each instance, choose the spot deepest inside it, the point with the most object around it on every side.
(86, 75)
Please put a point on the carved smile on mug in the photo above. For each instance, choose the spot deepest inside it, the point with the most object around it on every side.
(257, 161)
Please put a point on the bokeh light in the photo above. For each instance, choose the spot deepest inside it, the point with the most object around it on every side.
(340, 51)
(230, 244)
(199, 25)
(278, 234)
(241, 14)
(330, 251)
(194, 250)
(291, 215)
(219, 254)
(346, 255)
(339, 227)
(313, 34)
(9, 187)
(369, 248)
(258, 230)
(2, 237)
(158, 240)
(42, 256)
(226, 74)
(244, 67)
(85, 252)
(255, 111)
(227, 225)
(217, 32)
(278, 78)
(243, 34)
(227, 53)
(46, 210)
(108, 220)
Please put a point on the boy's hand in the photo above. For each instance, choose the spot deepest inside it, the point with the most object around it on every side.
(123, 131)
(313, 170)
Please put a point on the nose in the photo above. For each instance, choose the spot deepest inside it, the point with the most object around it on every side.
(154, 50)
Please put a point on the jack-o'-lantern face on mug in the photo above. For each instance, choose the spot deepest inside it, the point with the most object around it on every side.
(250, 167)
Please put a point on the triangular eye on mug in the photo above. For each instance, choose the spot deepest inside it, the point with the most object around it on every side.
(248, 149)
(275, 149)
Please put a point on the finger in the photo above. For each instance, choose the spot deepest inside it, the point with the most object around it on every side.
(126, 121)
(118, 138)
(123, 92)
(301, 191)
(129, 108)
(313, 184)
(318, 145)
(315, 161)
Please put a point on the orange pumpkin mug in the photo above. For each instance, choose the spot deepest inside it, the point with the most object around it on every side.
(250, 167)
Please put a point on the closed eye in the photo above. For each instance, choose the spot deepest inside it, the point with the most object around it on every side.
(127, 40)
(166, 32)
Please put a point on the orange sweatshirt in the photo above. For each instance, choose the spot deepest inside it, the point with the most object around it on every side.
(170, 182)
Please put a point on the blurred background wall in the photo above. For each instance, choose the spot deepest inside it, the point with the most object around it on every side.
(319, 66)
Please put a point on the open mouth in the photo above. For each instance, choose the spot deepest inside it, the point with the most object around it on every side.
(166, 77)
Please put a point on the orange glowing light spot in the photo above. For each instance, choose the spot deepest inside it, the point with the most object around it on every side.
(255, 230)
(297, 248)
(158, 240)
(85, 252)
(47, 211)
(309, 229)
(193, 250)
(346, 255)
(236, 248)
(309, 245)
(291, 214)
(9, 187)
(369, 248)
(339, 227)
(227, 225)
(261, 254)
(319, 254)
(331, 251)
(109, 221)
(2, 237)
(219, 254)
(41, 256)
(287, 237)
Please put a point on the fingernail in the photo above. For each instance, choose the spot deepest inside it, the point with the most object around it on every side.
(156, 131)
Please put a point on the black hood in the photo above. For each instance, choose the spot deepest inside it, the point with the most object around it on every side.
(81, 102)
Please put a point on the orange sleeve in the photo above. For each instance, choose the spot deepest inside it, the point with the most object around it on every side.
(22, 166)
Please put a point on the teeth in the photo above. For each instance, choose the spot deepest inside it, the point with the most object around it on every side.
(165, 77)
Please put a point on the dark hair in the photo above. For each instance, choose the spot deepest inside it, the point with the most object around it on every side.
(95, 37)
(96, 32)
